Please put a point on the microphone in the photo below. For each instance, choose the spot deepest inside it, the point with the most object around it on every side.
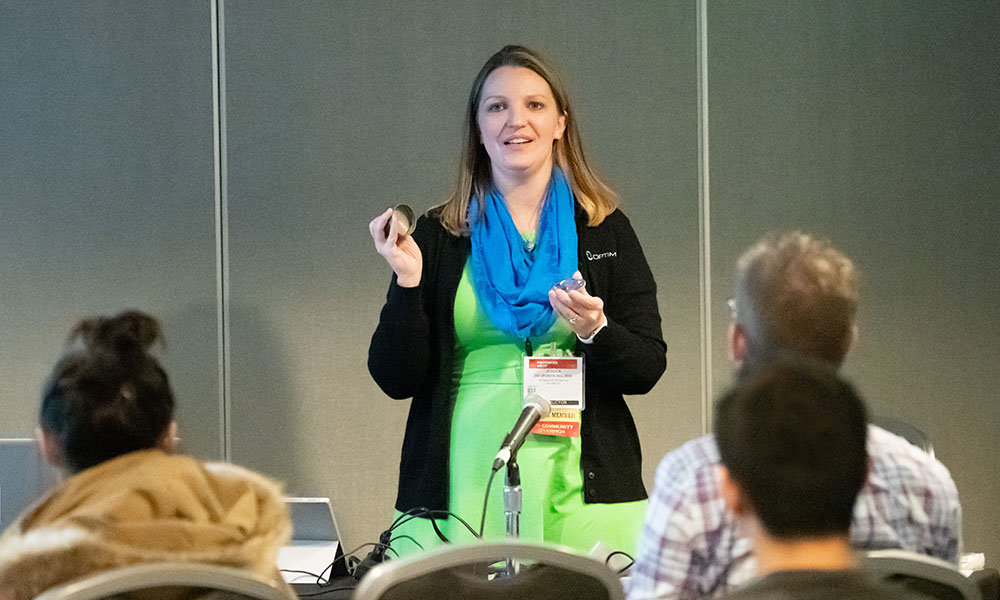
(536, 407)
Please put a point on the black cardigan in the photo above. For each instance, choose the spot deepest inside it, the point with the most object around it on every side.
(411, 356)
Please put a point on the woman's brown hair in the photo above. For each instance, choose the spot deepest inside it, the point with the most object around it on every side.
(475, 176)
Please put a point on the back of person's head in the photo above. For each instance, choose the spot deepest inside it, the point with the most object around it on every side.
(792, 437)
(108, 396)
(796, 296)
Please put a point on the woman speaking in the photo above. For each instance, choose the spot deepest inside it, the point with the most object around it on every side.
(473, 292)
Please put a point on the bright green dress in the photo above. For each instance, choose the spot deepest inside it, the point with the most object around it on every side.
(488, 380)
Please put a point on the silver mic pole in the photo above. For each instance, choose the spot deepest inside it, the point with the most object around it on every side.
(512, 510)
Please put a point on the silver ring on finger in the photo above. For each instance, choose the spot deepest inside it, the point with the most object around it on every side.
(573, 320)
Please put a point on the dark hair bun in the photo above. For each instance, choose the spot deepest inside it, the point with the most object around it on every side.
(129, 334)
(110, 396)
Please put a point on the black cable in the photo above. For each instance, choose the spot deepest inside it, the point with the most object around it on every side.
(418, 516)
(321, 579)
(486, 501)
(441, 536)
(413, 513)
(607, 561)
(386, 539)
(407, 537)
(462, 521)
(442, 513)
(417, 510)
(309, 573)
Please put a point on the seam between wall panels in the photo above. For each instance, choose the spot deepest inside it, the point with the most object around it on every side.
(704, 219)
(221, 224)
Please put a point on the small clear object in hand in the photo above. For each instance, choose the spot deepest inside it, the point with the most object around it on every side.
(568, 285)
(403, 215)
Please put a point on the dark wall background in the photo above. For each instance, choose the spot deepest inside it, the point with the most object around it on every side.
(873, 124)
(107, 192)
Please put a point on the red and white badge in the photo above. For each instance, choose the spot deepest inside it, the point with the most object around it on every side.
(560, 380)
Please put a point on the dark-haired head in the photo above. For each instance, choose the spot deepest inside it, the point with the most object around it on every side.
(792, 439)
(795, 297)
(107, 396)
(476, 177)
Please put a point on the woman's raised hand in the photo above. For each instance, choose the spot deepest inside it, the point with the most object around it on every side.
(583, 312)
(398, 249)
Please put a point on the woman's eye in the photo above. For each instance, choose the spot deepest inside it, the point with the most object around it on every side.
(495, 107)
(536, 105)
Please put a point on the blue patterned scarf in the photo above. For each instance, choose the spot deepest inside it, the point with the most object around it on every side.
(511, 282)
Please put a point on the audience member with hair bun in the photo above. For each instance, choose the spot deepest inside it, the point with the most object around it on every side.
(106, 423)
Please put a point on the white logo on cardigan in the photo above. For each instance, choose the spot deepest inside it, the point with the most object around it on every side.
(600, 256)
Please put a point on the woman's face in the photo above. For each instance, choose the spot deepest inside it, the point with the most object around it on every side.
(518, 121)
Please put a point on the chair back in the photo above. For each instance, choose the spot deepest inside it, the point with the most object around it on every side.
(906, 431)
(170, 581)
(471, 571)
(919, 573)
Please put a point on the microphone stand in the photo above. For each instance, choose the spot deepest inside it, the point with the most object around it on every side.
(536, 407)
(512, 510)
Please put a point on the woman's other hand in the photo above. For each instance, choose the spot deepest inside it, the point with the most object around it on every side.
(583, 312)
(398, 249)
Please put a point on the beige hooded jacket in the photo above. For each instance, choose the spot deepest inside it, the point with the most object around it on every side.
(146, 506)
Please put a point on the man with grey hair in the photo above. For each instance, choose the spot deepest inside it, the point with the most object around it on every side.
(796, 299)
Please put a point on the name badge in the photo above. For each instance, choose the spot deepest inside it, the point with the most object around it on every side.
(560, 381)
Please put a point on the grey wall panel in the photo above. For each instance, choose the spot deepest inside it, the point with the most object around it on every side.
(106, 193)
(875, 125)
(872, 124)
(337, 110)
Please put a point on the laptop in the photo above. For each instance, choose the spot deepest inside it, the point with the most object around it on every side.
(315, 542)
(24, 477)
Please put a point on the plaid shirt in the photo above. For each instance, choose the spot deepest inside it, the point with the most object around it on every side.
(692, 547)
